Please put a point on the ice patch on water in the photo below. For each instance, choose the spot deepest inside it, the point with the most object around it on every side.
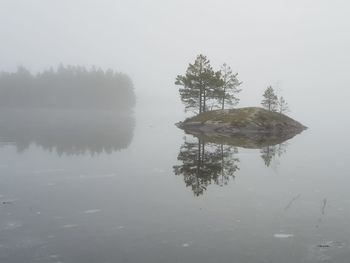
(187, 244)
(280, 235)
(92, 211)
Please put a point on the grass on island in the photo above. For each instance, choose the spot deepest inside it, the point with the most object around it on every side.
(243, 117)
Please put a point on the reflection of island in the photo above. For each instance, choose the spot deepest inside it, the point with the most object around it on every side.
(67, 132)
(248, 140)
(211, 158)
(270, 145)
(205, 163)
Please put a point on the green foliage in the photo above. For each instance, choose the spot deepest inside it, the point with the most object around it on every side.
(201, 85)
(270, 100)
(204, 88)
(196, 83)
(229, 87)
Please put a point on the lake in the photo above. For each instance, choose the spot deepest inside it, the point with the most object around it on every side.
(79, 186)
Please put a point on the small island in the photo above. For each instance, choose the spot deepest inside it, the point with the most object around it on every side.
(207, 92)
(242, 121)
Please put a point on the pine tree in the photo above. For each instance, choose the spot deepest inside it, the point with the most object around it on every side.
(229, 87)
(199, 84)
(282, 105)
(270, 100)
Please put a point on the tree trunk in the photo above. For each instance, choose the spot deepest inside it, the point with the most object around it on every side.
(223, 100)
(204, 100)
(200, 100)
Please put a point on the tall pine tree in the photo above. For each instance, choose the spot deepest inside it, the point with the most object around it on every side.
(198, 84)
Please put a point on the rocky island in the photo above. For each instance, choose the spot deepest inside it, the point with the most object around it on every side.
(250, 127)
(251, 122)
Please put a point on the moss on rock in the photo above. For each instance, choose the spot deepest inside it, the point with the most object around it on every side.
(241, 121)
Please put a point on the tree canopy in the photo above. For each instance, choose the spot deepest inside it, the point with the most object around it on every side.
(229, 87)
(272, 102)
(270, 99)
(201, 85)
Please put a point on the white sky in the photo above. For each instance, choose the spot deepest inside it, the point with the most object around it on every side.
(301, 47)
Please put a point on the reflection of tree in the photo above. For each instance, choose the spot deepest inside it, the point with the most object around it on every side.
(269, 153)
(228, 164)
(205, 163)
(67, 132)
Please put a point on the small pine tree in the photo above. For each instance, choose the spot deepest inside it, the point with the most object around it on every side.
(282, 105)
(270, 100)
(229, 87)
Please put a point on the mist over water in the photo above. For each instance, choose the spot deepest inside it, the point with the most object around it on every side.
(67, 131)
(93, 169)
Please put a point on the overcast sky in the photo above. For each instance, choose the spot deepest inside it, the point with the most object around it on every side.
(300, 47)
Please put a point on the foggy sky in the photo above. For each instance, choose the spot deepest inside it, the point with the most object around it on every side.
(300, 47)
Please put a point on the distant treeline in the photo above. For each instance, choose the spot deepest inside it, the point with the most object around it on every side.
(72, 87)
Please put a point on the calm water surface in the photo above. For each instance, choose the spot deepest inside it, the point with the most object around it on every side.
(104, 187)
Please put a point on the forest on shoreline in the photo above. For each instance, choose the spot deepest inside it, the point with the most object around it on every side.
(67, 87)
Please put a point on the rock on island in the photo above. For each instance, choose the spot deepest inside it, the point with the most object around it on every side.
(250, 120)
